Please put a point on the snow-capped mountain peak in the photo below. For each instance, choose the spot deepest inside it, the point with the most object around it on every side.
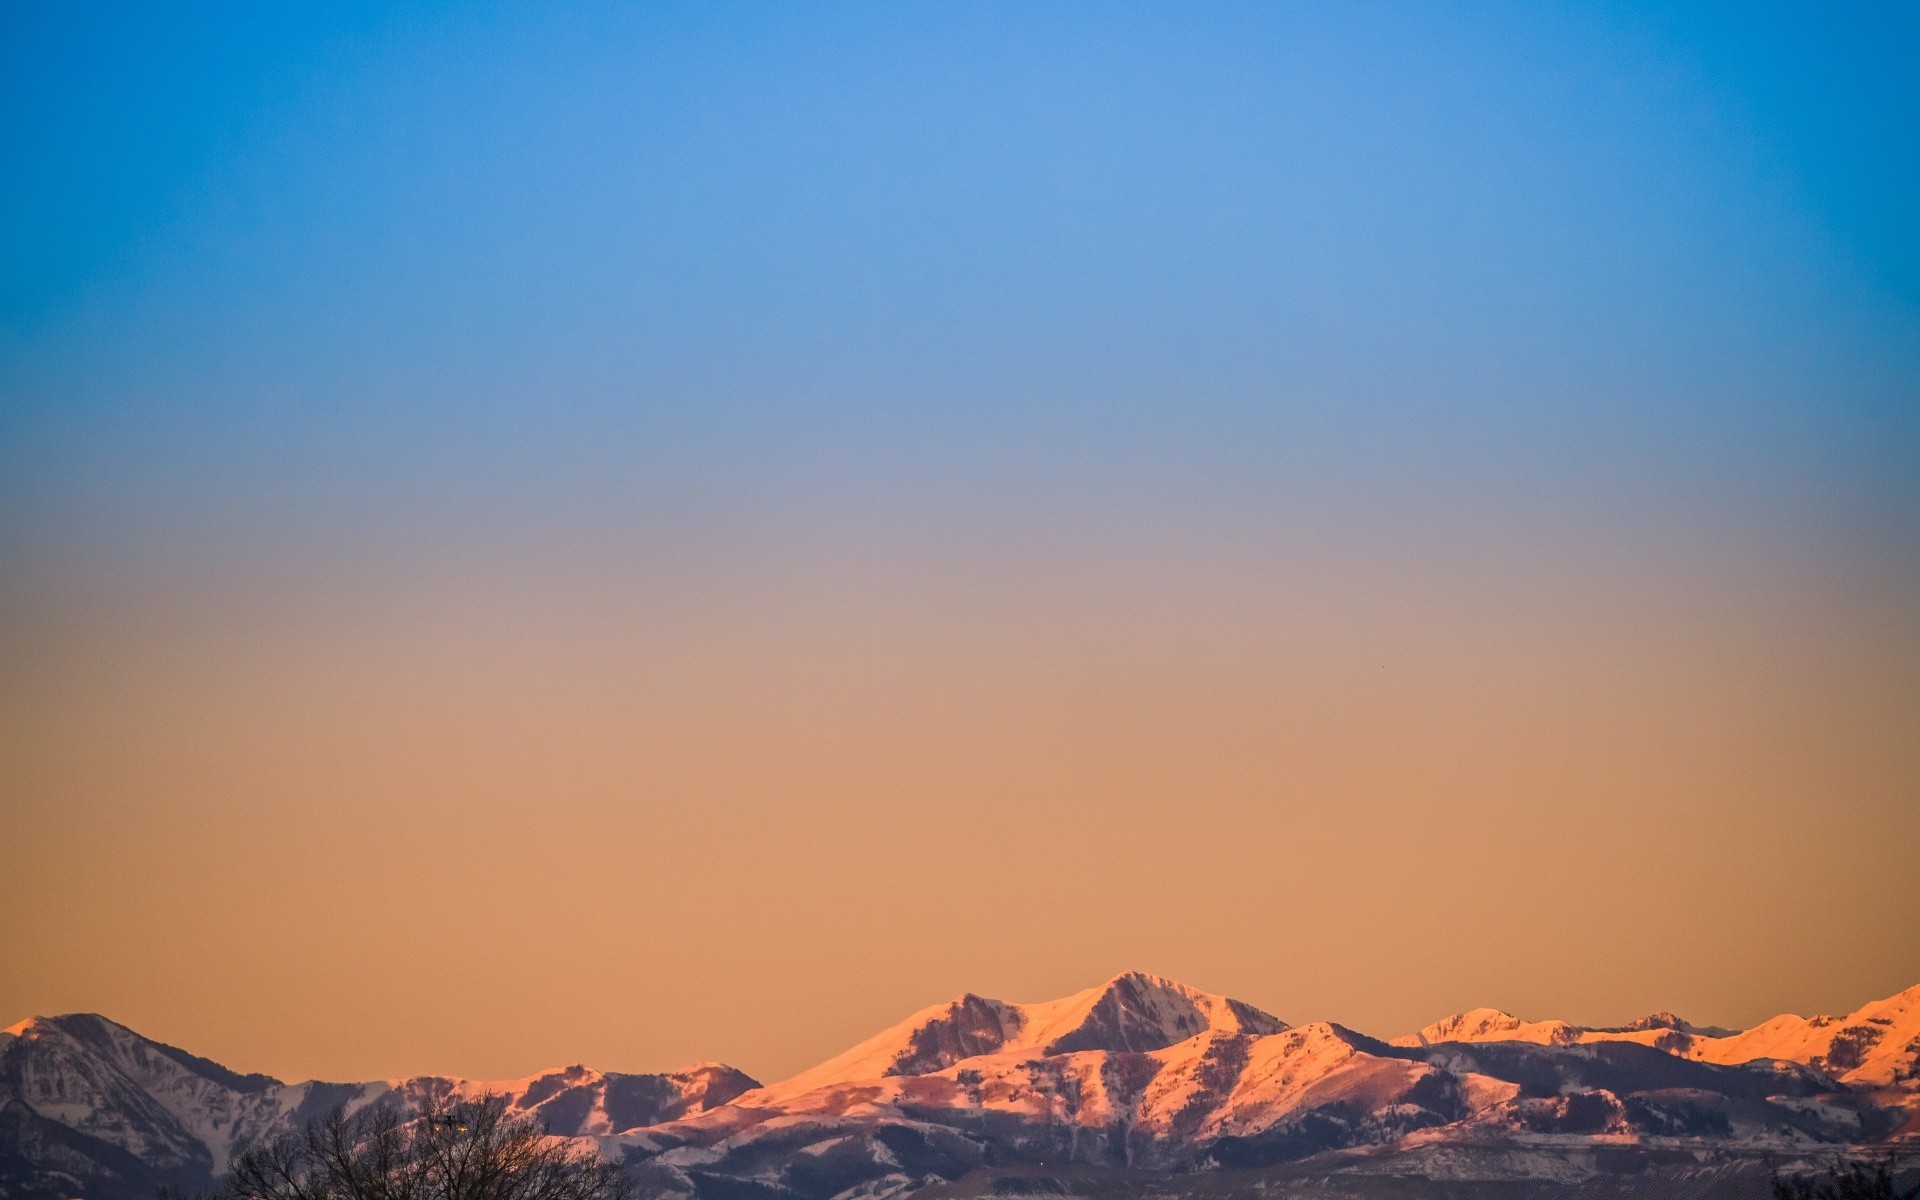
(1488, 1025)
(1877, 1045)
(927, 1041)
(84, 1099)
(1139, 1072)
(1132, 1012)
(1138, 1012)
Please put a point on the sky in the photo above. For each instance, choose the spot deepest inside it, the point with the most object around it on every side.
(632, 534)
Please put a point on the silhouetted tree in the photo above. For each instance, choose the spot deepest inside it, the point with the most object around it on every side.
(454, 1150)
(1844, 1181)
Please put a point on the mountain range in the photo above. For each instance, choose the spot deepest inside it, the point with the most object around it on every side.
(1139, 1086)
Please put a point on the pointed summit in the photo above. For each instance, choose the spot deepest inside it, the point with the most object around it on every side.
(1674, 1022)
(1134, 1011)
(94, 1037)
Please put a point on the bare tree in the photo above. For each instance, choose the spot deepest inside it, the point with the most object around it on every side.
(1844, 1180)
(454, 1150)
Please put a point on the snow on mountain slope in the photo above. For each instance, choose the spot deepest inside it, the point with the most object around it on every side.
(1137, 1012)
(1137, 1074)
(1234, 1099)
(578, 1101)
(1228, 1094)
(163, 1105)
(927, 1041)
(90, 1107)
(1877, 1045)
(1239, 1070)
(1259, 1083)
(1227, 1097)
(1492, 1025)
(1130, 1012)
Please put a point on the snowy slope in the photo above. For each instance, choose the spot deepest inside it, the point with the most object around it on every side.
(1876, 1045)
(1140, 1075)
(1228, 1097)
(90, 1107)
(1492, 1025)
(167, 1108)
(1130, 1012)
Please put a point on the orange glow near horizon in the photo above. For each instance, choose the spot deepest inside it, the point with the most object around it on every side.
(484, 821)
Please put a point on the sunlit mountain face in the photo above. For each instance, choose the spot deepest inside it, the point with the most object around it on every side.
(1140, 1085)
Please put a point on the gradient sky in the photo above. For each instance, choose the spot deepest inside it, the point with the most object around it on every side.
(535, 533)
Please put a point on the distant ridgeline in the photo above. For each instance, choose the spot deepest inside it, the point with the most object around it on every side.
(1140, 1086)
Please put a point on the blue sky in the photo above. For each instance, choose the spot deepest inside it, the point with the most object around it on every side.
(313, 264)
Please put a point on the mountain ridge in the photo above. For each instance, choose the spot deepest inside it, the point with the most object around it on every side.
(1138, 1074)
(1876, 1044)
(1134, 1010)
